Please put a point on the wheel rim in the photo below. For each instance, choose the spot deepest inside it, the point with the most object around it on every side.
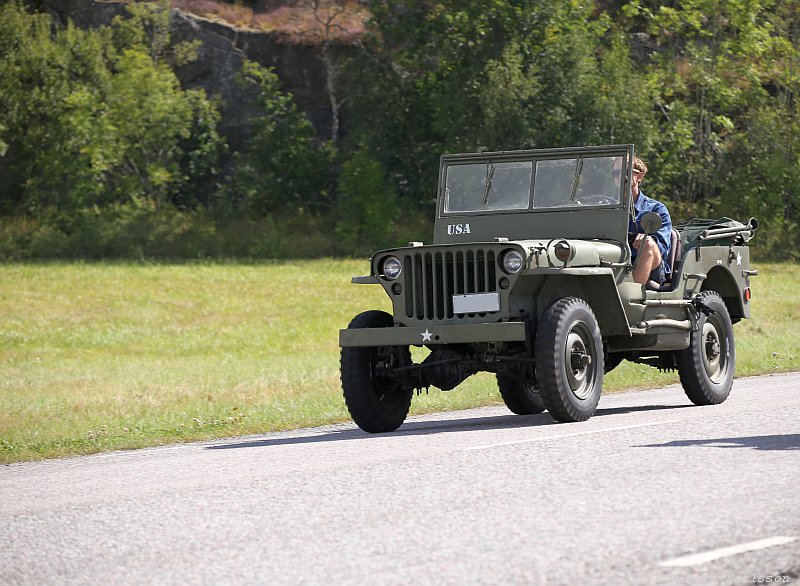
(580, 358)
(715, 351)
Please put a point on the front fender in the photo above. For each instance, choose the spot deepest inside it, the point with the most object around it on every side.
(596, 285)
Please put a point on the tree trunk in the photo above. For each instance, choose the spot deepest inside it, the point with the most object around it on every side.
(330, 85)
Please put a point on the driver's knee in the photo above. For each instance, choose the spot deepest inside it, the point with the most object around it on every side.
(650, 251)
(648, 258)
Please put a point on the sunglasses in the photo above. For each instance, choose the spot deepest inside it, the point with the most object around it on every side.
(618, 172)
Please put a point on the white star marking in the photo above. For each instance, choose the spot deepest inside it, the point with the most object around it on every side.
(426, 335)
(739, 259)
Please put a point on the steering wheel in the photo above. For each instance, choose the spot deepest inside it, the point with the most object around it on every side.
(595, 199)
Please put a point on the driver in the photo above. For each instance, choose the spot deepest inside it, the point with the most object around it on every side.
(649, 253)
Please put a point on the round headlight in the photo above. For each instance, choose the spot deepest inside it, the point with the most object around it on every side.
(392, 267)
(564, 251)
(513, 262)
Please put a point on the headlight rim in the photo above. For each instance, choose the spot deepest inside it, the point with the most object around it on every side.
(384, 273)
(508, 253)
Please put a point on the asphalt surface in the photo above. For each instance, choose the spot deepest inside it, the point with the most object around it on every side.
(469, 497)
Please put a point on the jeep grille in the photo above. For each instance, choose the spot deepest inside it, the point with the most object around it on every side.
(433, 277)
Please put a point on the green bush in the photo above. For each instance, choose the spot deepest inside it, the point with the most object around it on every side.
(116, 231)
(89, 122)
(134, 231)
(280, 165)
(367, 206)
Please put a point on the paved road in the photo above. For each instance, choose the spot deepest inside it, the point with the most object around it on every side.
(472, 497)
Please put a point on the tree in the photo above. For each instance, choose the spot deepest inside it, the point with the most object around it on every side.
(49, 87)
(705, 78)
(326, 13)
(491, 74)
(151, 116)
(90, 123)
(764, 172)
(366, 208)
(280, 163)
(763, 165)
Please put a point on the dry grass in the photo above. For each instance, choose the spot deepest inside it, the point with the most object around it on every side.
(293, 22)
(236, 15)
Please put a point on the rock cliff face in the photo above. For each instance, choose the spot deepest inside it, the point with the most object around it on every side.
(221, 54)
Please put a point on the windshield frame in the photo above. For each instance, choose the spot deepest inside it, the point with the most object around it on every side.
(491, 160)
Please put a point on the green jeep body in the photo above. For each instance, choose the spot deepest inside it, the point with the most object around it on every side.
(529, 277)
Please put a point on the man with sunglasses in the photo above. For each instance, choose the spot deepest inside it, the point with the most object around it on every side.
(649, 253)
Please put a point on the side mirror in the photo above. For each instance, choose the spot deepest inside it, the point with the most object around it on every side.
(651, 223)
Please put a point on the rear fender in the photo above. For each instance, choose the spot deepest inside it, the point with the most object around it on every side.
(721, 280)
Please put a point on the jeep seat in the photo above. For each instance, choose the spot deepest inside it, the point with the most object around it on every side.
(674, 253)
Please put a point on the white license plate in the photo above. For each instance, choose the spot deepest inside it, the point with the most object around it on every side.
(476, 303)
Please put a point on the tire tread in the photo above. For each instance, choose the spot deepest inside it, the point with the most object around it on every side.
(516, 397)
(549, 335)
(357, 383)
(694, 380)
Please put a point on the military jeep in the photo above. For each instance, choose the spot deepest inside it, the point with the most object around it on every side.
(529, 277)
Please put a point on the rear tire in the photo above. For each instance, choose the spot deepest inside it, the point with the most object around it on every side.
(376, 402)
(706, 367)
(569, 360)
(519, 395)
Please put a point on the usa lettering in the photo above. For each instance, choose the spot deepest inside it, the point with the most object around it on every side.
(453, 229)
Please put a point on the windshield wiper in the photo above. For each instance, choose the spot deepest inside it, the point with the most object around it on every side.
(489, 174)
(578, 169)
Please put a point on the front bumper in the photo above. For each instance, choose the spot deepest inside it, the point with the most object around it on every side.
(421, 335)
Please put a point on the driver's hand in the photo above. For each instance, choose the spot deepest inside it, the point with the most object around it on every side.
(637, 241)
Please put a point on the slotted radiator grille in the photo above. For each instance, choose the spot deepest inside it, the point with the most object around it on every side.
(432, 278)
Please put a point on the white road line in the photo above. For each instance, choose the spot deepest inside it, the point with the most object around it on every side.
(715, 554)
(561, 435)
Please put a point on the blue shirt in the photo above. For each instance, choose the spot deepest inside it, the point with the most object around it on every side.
(663, 237)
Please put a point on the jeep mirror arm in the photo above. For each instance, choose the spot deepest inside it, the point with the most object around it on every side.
(651, 223)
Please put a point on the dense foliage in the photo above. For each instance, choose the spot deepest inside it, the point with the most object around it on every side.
(706, 89)
(101, 148)
(96, 118)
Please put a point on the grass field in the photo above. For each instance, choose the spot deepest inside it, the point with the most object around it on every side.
(107, 356)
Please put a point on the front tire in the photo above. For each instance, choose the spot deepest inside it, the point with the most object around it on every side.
(376, 402)
(519, 395)
(569, 360)
(706, 367)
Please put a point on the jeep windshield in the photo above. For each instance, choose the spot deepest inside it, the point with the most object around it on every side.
(531, 185)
